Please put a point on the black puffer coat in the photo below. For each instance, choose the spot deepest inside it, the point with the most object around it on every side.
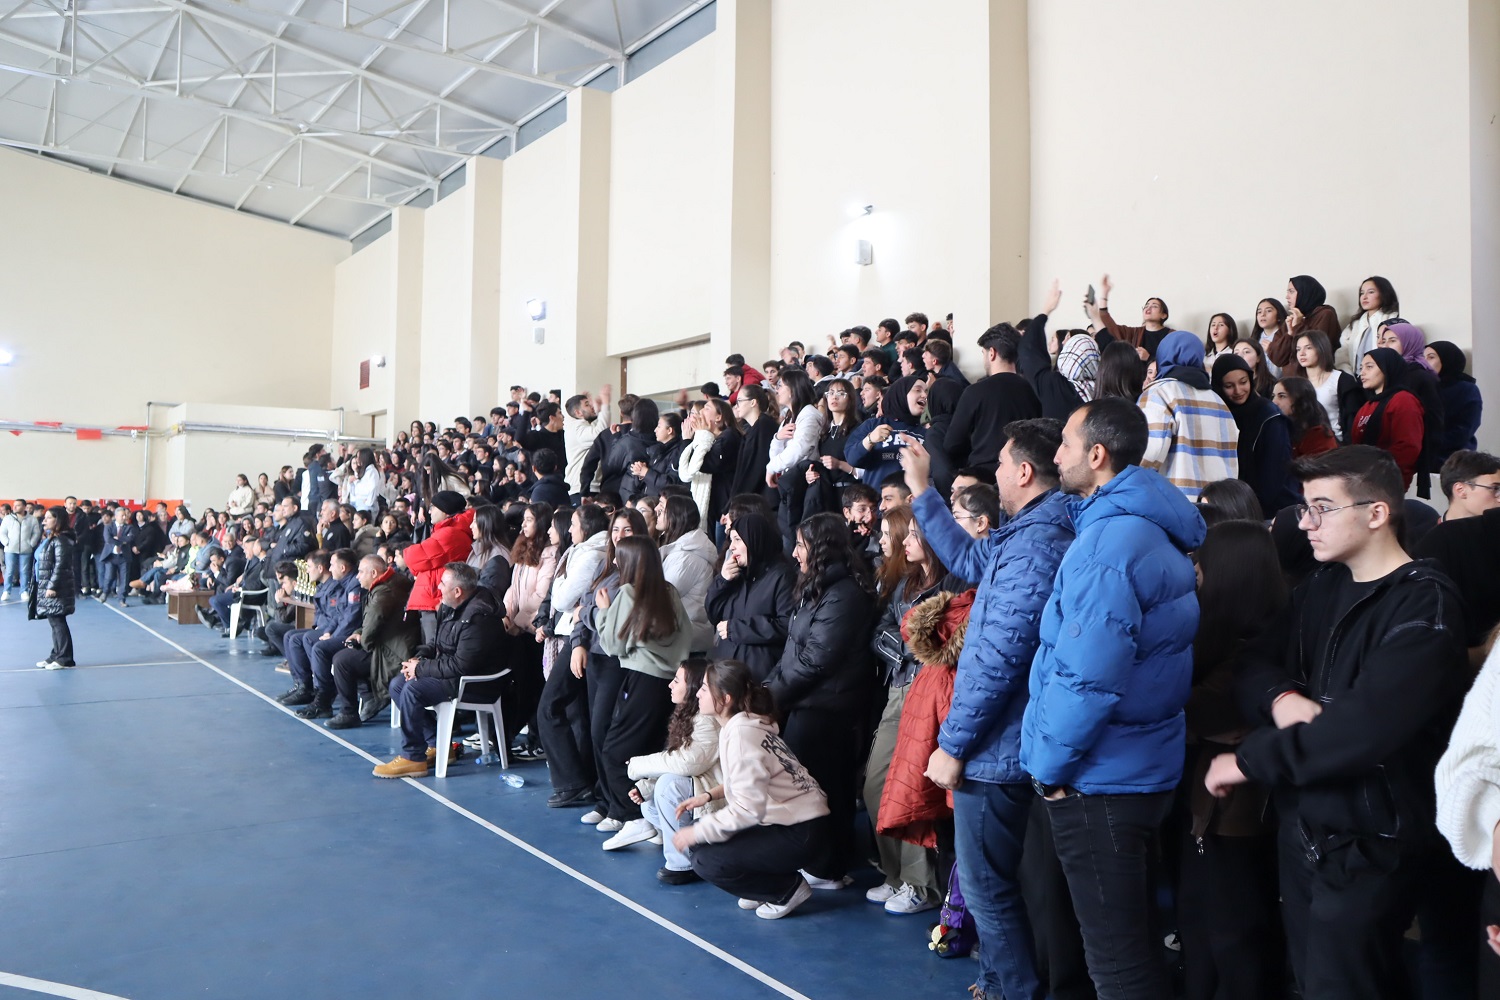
(826, 662)
(757, 609)
(54, 572)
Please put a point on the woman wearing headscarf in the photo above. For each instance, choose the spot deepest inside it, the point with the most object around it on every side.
(1421, 381)
(1307, 309)
(875, 445)
(1265, 445)
(1462, 404)
(1392, 418)
(1068, 386)
(751, 599)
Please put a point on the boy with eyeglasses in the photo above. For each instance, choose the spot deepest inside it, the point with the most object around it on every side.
(1356, 686)
(1467, 542)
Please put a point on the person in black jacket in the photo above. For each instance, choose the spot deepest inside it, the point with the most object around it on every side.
(647, 477)
(823, 682)
(750, 601)
(294, 536)
(53, 590)
(1063, 389)
(976, 433)
(757, 417)
(468, 637)
(614, 452)
(1355, 688)
(550, 487)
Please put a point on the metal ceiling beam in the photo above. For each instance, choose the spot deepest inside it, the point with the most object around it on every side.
(312, 52)
(542, 21)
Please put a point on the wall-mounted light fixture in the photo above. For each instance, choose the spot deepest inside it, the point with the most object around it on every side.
(378, 360)
(864, 254)
(6, 357)
(536, 308)
(859, 209)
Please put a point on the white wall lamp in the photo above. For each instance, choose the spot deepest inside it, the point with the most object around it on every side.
(6, 357)
(536, 309)
(377, 361)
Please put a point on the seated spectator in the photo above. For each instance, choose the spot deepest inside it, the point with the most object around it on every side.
(1471, 482)
(1462, 403)
(467, 636)
(1312, 433)
(1265, 437)
(373, 654)
(1392, 419)
(242, 498)
(774, 820)
(283, 614)
(233, 588)
(309, 652)
(366, 535)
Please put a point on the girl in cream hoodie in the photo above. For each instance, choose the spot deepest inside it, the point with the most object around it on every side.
(774, 818)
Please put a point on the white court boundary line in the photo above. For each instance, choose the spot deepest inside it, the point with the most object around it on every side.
(53, 989)
(566, 869)
(99, 666)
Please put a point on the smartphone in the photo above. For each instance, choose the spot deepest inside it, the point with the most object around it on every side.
(1088, 296)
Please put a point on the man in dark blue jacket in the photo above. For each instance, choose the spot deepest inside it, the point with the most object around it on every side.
(1103, 736)
(309, 652)
(979, 745)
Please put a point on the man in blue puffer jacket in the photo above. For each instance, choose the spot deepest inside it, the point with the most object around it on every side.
(1103, 736)
(979, 746)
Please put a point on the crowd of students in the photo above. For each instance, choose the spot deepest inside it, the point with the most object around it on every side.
(1133, 612)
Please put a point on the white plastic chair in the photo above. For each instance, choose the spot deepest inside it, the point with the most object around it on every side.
(235, 610)
(446, 711)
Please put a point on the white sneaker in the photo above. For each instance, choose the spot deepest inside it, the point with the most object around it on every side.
(54, 665)
(25, 596)
(609, 825)
(881, 893)
(750, 904)
(591, 818)
(771, 911)
(827, 883)
(633, 832)
(908, 900)
(657, 840)
(5, 597)
(44, 664)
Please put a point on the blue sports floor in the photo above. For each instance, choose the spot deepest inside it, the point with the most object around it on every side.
(168, 831)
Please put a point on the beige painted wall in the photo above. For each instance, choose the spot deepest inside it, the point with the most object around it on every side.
(665, 183)
(110, 290)
(1251, 153)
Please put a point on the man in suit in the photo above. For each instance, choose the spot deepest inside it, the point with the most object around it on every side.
(119, 543)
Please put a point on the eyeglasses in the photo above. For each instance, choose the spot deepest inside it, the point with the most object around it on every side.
(1494, 488)
(1314, 515)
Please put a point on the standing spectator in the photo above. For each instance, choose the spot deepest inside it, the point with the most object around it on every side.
(1378, 304)
(750, 601)
(118, 545)
(1349, 734)
(1307, 309)
(450, 542)
(1193, 437)
(1338, 392)
(1103, 732)
(584, 419)
(1312, 434)
(359, 476)
(20, 533)
(53, 596)
(977, 431)
(876, 444)
(264, 493)
(87, 530)
(1144, 338)
(1462, 403)
(754, 410)
(1265, 435)
(1063, 389)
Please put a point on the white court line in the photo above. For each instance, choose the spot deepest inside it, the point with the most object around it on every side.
(97, 666)
(599, 887)
(54, 989)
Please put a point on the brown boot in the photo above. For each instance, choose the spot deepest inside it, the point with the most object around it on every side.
(401, 768)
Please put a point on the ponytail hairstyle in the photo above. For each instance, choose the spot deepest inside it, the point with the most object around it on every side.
(735, 689)
(680, 726)
(652, 616)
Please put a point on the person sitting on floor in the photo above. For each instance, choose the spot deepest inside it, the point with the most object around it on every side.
(374, 654)
(467, 638)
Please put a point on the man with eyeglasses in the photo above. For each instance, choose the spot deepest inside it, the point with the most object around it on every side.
(1355, 686)
(1467, 542)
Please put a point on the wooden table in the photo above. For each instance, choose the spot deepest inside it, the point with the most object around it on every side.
(307, 611)
(183, 605)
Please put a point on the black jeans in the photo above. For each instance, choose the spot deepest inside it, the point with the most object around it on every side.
(1105, 844)
(351, 668)
(1228, 917)
(829, 745)
(562, 719)
(602, 680)
(637, 726)
(762, 862)
(1346, 913)
(62, 642)
(1059, 944)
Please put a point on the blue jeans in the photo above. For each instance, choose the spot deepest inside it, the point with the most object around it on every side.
(989, 829)
(660, 811)
(419, 726)
(18, 569)
(1104, 843)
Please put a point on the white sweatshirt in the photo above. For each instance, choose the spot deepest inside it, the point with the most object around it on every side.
(1468, 776)
(764, 785)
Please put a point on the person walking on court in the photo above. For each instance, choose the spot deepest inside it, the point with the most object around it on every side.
(55, 589)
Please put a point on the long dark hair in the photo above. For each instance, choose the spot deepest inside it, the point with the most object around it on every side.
(732, 682)
(760, 396)
(726, 415)
(842, 428)
(651, 616)
(825, 539)
(681, 517)
(799, 387)
(1259, 370)
(1389, 303)
(1208, 338)
(1122, 373)
(562, 523)
(435, 470)
(1242, 589)
(1307, 412)
(680, 726)
(644, 417)
(527, 550)
(638, 529)
(894, 568)
(494, 533)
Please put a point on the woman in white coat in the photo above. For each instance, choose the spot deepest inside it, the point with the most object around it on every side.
(1377, 305)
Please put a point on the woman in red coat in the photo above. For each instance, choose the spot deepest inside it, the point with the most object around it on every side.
(1392, 419)
(450, 541)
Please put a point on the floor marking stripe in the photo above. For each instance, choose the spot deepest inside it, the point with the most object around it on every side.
(54, 989)
(98, 666)
(604, 890)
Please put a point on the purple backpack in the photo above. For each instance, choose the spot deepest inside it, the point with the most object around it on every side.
(954, 935)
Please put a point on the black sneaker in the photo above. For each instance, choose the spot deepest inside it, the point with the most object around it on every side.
(318, 708)
(344, 720)
(671, 876)
(571, 800)
(299, 695)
